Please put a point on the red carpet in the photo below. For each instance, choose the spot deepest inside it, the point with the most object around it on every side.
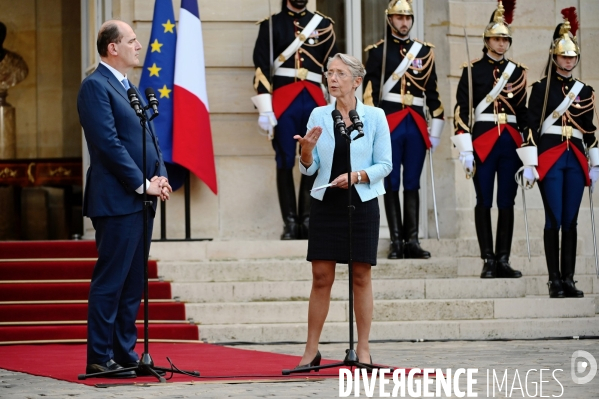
(38, 277)
(66, 362)
(78, 312)
(56, 270)
(48, 249)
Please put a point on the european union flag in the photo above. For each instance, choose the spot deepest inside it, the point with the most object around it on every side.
(159, 74)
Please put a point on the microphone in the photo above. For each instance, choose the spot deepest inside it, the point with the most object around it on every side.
(353, 115)
(135, 104)
(151, 96)
(338, 121)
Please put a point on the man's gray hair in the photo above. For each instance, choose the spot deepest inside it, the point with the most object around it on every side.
(355, 66)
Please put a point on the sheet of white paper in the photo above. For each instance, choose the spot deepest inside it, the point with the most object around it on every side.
(322, 187)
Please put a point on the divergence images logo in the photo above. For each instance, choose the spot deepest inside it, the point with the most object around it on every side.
(579, 366)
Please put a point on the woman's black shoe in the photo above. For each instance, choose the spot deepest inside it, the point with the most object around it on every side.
(314, 362)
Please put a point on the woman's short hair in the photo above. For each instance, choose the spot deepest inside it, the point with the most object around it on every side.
(355, 66)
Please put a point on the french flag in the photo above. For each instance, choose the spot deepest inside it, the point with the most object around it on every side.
(192, 136)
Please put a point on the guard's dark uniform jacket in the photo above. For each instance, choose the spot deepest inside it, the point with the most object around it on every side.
(310, 57)
(416, 86)
(577, 118)
(510, 104)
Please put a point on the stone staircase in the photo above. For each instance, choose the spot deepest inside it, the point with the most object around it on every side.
(257, 291)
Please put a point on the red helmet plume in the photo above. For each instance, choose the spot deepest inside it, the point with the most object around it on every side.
(570, 14)
(510, 6)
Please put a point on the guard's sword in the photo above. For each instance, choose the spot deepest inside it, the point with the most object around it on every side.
(430, 158)
(470, 98)
(594, 234)
(270, 47)
(469, 70)
(526, 222)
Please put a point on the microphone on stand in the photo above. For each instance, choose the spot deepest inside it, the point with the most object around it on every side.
(151, 96)
(338, 121)
(353, 115)
(134, 101)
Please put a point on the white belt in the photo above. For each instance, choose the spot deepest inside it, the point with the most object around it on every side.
(406, 99)
(493, 118)
(558, 130)
(301, 73)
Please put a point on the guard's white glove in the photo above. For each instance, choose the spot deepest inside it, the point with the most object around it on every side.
(467, 160)
(267, 122)
(434, 143)
(594, 175)
(530, 175)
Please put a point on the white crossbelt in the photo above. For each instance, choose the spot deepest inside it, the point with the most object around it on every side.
(401, 68)
(558, 130)
(299, 73)
(397, 98)
(563, 106)
(493, 118)
(298, 42)
(492, 95)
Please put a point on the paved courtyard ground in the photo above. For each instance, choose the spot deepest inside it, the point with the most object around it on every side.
(523, 361)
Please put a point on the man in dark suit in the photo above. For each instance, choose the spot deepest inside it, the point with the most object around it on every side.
(113, 199)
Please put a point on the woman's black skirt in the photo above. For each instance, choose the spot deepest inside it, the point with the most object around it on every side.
(329, 228)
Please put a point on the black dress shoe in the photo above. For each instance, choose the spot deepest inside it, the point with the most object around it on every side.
(556, 290)
(413, 250)
(395, 250)
(570, 290)
(110, 365)
(504, 270)
(141, 371)
(489, 269)
(314, 362)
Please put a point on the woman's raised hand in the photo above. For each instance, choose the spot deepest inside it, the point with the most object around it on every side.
(308, 142)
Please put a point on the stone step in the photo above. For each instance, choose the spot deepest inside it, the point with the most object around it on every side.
(299, 270)
(537, 266)
(409, 330)
(394, 310)
(265, 249)
(268, 291)
(537, 285)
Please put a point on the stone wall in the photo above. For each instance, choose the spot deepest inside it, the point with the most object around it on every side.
(47, 35)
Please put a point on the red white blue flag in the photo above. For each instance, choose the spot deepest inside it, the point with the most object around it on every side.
(192, 136)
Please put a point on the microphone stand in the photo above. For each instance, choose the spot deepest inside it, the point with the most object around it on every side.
(145, 365)
(351, 357)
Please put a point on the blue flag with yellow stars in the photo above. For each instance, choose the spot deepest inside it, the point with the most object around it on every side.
(159, 74)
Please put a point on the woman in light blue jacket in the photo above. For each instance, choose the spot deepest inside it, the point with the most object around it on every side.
(324, 150)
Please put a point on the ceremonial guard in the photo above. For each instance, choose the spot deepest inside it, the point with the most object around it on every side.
(561, 111)
(489, 116)
(290, 56)
(401, 79)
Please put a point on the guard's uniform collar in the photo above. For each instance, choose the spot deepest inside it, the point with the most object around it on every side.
(494, 62)
(294, 14)
(398, 40)
(563, 79)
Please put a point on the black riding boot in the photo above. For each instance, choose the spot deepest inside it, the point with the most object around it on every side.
(393, 211)
(569, 263)
(503, 244)
(412, 249)
(306, 184)
(286, 191)
(551, 242)
(484, 232)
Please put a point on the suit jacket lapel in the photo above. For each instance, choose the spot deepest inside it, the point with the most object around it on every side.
(113, 81)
